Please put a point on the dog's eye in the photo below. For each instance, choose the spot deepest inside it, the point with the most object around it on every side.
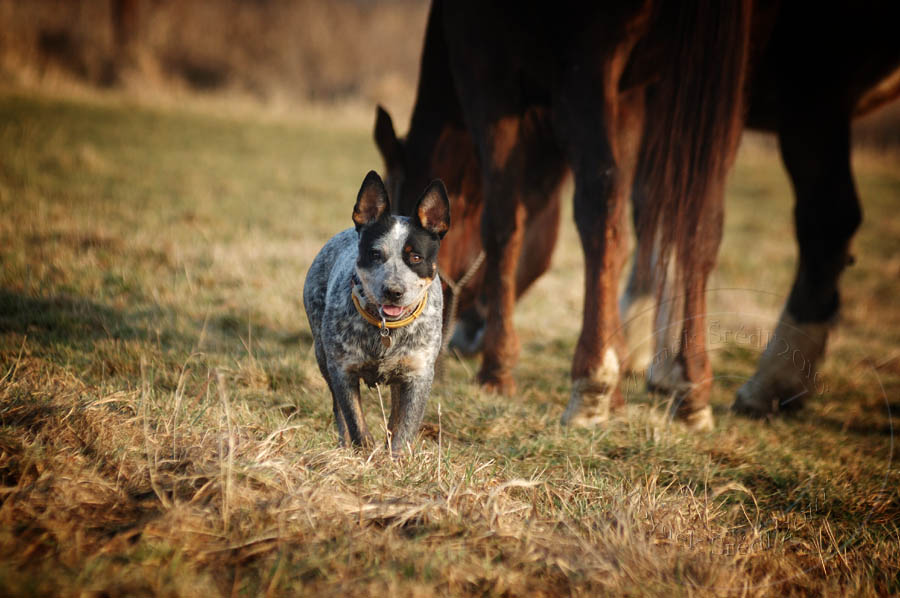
(415, 258)
(375, 255)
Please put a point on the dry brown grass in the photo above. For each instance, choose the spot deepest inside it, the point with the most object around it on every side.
(128, 495)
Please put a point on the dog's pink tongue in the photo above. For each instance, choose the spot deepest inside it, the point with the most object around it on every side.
(392, 311)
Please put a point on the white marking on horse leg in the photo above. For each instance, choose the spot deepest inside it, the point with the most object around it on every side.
(664, 373)
(590, 400)
(637, 320)
(666, 376)
(787, 371)
(700, 420)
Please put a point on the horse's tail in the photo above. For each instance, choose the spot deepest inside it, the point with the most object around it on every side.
(693, 123)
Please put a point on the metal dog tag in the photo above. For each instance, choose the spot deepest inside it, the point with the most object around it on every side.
(386, 338)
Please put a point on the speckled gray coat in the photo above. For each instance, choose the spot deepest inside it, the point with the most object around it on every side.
(349, 348)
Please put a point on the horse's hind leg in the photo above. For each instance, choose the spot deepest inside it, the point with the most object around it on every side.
(649, 339)
(637, 307)
(692, 360)
(815, 147)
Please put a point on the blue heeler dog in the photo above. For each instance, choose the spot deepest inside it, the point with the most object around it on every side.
(374, 303)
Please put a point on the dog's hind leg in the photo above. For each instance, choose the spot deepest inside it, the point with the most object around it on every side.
(408, 400)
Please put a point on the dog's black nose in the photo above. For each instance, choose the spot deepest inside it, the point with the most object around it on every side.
(391, 294)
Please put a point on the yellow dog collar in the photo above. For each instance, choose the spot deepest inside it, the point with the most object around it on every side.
(384, 323)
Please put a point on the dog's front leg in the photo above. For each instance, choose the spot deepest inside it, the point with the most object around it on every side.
(408, 399)
(345, 392)
(335, 406)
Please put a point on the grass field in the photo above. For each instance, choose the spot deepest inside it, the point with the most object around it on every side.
(164, 430)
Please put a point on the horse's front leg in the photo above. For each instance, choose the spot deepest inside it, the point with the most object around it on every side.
(602, 144)
(596, 366)
(503, 228)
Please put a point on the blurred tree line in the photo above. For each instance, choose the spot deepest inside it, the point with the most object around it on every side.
(307, 49)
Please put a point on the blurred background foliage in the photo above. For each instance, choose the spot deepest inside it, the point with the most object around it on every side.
(285, 53)
(268, 50)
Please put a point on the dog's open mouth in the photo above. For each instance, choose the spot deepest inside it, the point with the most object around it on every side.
(392, 311)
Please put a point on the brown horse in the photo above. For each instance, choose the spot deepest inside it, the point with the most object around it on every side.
(811, 74)
(512, 97)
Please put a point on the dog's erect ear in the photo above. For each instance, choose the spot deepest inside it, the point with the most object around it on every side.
(433, 210)
(386, 139)
(372, 201)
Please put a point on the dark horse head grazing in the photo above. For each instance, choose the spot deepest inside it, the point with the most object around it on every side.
(513, 96)
(439, 144)
(450, 154)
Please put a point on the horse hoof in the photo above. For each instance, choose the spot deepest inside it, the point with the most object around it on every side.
(786, 373)
(752, 401)
(589, 405)
(667, 378)
(763, 398)
(701, 421)
(500, 384)
(593, 397)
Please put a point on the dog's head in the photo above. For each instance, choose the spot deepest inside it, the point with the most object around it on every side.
(397, 254)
